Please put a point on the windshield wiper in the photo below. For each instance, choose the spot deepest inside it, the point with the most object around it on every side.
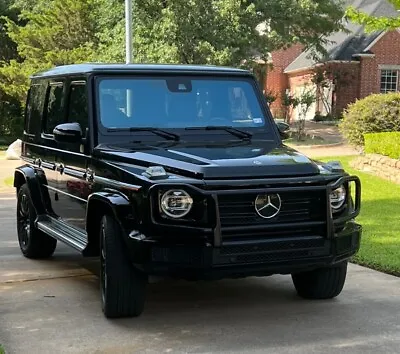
(157, 131)
(236, 132)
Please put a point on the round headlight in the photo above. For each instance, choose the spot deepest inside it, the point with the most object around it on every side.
(176, 203)
(338, 197)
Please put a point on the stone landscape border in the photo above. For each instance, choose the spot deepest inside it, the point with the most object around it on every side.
(379, 165)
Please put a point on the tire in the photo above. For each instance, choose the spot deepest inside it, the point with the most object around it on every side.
(33, 243)
(322, 283)
(123, 288)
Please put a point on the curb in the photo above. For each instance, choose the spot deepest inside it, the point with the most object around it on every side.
(315, 146)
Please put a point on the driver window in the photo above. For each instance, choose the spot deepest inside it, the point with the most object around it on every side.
(77, 105)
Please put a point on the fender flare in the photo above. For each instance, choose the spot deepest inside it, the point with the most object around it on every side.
(34, 179)
(113, 201)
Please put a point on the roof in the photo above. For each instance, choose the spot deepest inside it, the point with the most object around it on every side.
(344, 45)
(87, 68)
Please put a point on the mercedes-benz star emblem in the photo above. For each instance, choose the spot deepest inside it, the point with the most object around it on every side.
(268, 205)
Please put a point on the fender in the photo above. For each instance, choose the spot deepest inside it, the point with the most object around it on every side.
(99, 203)
(34, 179)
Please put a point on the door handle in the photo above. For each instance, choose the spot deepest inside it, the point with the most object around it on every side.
(60, 168)
(89, 175)
(37, 162)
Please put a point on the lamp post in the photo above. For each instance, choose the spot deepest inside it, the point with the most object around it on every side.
(128, 30)
(128, 49)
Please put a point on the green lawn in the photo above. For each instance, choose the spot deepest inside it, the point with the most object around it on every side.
(9, 181)
(380, 207)
(2, 351)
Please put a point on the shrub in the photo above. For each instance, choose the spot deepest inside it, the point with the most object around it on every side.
(383, 143)
(373, 114)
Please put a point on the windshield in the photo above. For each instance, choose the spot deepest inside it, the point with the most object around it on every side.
(178, 102)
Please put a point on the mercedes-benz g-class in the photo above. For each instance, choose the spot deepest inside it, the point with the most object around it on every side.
(180, 171)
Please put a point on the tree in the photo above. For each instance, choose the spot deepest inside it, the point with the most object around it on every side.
(222, 32)
(374, 23)
(305, 101)
(56, 33)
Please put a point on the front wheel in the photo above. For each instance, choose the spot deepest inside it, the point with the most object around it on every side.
(322, 283)
(32, 242)
(122, 286)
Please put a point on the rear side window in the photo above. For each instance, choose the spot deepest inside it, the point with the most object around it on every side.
(34, 108)
(54, 109)
(77, 105)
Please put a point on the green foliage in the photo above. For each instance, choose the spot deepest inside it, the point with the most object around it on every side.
(379, 216)
(39, 34)
(374, 23)
(373, 114)
(383, 143)
(56, 33)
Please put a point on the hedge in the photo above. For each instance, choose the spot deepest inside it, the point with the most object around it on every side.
(372, 114)
(387, 144)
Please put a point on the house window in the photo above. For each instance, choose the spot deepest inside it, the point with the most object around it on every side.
(389, 81)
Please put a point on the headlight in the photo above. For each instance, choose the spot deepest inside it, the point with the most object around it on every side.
(176, 203)
(338, 197)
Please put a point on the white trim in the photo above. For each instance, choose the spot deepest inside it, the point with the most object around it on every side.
(388, 67)
(376, 40)
(364, 55)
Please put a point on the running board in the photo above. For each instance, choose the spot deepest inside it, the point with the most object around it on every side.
(62, 232)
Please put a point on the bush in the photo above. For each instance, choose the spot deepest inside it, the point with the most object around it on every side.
(383, 143)
(373, 114)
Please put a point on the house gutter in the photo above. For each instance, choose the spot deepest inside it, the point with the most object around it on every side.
(294, 71)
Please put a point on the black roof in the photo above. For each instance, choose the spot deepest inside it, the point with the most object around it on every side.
(87, 68)
(345, 45)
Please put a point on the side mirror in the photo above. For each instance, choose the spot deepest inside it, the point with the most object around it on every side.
(68, 133)
(283, 129)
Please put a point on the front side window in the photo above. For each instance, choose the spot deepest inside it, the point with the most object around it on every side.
(178, 102)
(77, 105)
(54, 110)
(389, 81)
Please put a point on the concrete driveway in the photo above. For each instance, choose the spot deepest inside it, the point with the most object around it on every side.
(53, 307)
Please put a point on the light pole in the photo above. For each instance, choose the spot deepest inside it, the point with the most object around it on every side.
(128, 49)
(128, 30)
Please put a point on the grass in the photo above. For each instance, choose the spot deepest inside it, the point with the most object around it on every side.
(2, 351)
(9, 181)
(380, 205)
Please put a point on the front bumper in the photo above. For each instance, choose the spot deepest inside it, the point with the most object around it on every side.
(241, 259)
(262, 252)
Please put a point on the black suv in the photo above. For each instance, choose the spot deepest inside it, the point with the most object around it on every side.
(181, 171)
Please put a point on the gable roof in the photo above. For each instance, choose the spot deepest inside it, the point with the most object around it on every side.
(342, 46)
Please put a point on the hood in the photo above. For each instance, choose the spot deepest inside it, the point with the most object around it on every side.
(252, 160)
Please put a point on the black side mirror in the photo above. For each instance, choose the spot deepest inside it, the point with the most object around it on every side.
(68, 133)
(283, 129)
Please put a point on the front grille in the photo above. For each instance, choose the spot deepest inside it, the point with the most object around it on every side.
(298, 206)
(274, 245)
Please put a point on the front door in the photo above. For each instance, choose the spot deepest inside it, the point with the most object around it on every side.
(73, 189)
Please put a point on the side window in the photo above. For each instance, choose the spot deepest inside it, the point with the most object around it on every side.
(34, 108)
(77, 105)
(54, 112)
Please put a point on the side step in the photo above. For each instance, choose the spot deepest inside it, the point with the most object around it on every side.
(62, 232)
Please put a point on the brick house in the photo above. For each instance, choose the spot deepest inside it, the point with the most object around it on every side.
(357, 64)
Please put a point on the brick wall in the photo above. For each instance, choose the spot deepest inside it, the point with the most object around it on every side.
(387, 52)
(277, 81)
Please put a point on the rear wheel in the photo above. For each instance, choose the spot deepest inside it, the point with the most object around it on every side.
(32, 242)
(322, 283)
(122, 286)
